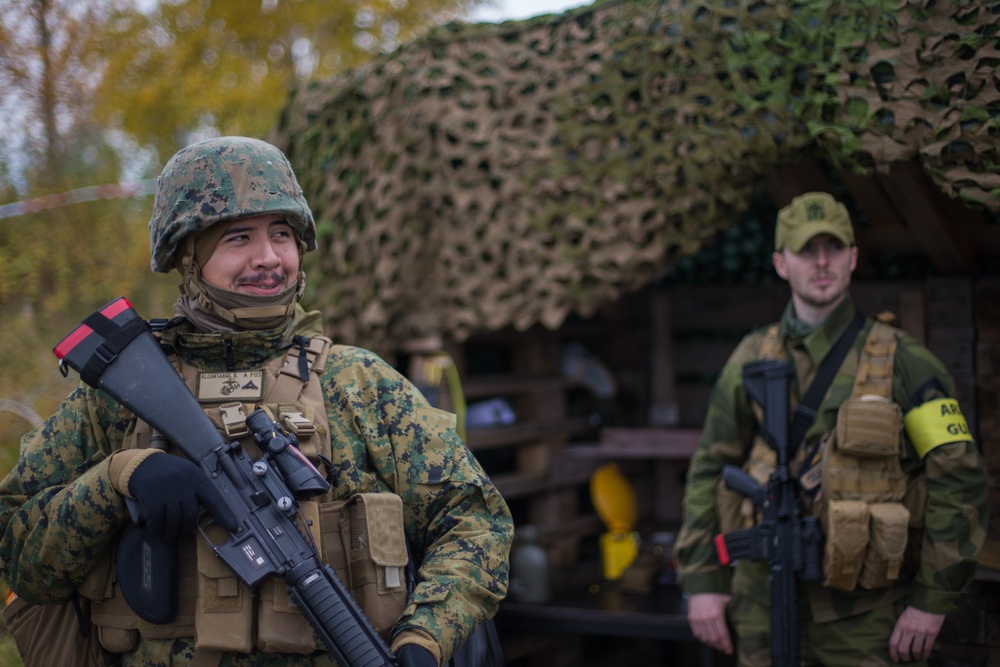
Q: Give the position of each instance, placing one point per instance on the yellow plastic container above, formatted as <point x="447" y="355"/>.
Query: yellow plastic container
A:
<point x="616" y="504"/>
<point x="618" y="550"/>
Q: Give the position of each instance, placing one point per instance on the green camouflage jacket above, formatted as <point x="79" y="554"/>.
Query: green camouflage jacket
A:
<point x="58" y="511"/>
<point x="956" y="513"/>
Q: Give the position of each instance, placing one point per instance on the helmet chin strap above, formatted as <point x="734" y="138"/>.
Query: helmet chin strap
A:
<point x="211" y="307"/>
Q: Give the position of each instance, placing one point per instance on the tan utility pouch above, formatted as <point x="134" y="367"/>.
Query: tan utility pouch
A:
<point x="887" y="545"/>
<point x="116" y="625"/>
<point x="49" y="634"/>
<point x="861" y="458"/>
<point x="869" y="427"/>
<point x="281" y="627"/>
<point x="224" y="615"/>
<point x="846" y="540"/>
<point x="371" y="526"/>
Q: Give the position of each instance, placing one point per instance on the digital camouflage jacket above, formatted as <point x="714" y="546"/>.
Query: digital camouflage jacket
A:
<point x="58" y="511"/>
<point x="956" y="515"/>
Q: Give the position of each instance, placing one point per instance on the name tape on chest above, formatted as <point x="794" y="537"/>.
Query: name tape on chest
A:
<point x="230" y="386"/>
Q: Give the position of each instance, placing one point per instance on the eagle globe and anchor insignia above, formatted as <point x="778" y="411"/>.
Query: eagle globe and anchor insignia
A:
<point x="238" y="385"/>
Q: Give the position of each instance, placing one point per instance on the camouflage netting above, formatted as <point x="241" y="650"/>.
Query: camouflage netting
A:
<point x="493" y="175"/>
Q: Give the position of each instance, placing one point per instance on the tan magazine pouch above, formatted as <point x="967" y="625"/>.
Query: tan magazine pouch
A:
<point x="224" y="614"/>
<point x="372" y="532"/>
<point x="846" y="528"/>
<point x="281" y="627"/>
<point x="363" y="540"/>
<point x="886" y="546"/>
<point x="863" y="486"/>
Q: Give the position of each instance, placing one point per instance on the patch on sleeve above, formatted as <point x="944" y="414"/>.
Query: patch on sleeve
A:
<point x="928" y="391"/>
<point x="936" y="423"/>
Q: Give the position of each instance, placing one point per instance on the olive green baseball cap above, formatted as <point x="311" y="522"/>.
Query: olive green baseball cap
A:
<point x="811" y="214"/>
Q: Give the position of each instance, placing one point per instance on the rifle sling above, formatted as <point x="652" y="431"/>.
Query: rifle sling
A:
<point x="116" y="338"/>
<point x="805" y="411"/>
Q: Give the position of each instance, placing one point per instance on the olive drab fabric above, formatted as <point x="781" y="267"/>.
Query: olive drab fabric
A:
<point x="223" y="179"/>
<point x="944" y="542"/>
<point x="60" y="514"/>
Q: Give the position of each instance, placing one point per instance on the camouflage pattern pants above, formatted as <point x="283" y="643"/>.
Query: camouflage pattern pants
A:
<point x="858" y="641"/>
<point x="179" y="653"/>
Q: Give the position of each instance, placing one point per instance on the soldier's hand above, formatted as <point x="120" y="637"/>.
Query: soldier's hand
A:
<point x="914" y="635"/>
<point x="170" y="490"/>
<point x="707" y="617"/>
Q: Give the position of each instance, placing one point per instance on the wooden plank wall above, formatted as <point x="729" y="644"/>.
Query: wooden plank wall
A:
<point x="987" y="384"/>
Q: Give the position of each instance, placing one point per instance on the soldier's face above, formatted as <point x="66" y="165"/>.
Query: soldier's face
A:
<point x="256" y="256"/>
<point x="820" y="273"/>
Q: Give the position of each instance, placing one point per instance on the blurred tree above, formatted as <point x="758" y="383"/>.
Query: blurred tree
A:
<point x="96" y="91"/>
<point x="101" y="91"/>
<point x="197" y="67"/>
<point x="48" y="75"/>
<point x="150" y="74"/>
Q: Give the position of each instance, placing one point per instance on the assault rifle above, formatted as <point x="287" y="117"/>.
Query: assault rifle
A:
<point x="114" y="351"/>
<point x="790" y="542"/>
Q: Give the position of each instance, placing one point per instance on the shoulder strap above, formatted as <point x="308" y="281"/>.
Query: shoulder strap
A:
<point x="805" y="411"/>
<point x="304" y="355"/>
<point x="875" y="368"/>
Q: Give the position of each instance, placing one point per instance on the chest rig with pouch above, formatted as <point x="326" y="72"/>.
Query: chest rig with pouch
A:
<point x="851" y="479"/>
<point x="362" y="537"/>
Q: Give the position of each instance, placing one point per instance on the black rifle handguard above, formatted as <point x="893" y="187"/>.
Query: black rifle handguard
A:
<point x="789" y="542"/>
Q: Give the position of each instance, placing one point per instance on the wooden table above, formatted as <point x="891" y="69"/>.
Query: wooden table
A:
<point x="604" y="610"/>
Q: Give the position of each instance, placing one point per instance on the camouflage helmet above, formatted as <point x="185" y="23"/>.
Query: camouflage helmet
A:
<point x="219" y="180"/>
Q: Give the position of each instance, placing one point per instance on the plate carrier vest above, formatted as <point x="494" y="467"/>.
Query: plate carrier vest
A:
<point x="218" y="610"/>
<point x="856" y="485"/>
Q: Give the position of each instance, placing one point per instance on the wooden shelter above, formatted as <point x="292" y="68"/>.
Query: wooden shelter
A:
<point x="607" y="177"/>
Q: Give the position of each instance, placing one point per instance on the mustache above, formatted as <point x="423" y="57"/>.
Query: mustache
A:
<point x="264" y="277"/>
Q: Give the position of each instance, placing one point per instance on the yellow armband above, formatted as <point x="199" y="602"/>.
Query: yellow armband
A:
<point x="935" y="423"/>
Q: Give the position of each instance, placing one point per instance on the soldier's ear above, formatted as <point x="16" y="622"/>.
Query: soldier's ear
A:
<point x="778" y="259"/>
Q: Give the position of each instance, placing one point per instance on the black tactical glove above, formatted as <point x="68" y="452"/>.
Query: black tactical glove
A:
<point x="412" y="655"/>
<point x="170" y="490"/>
